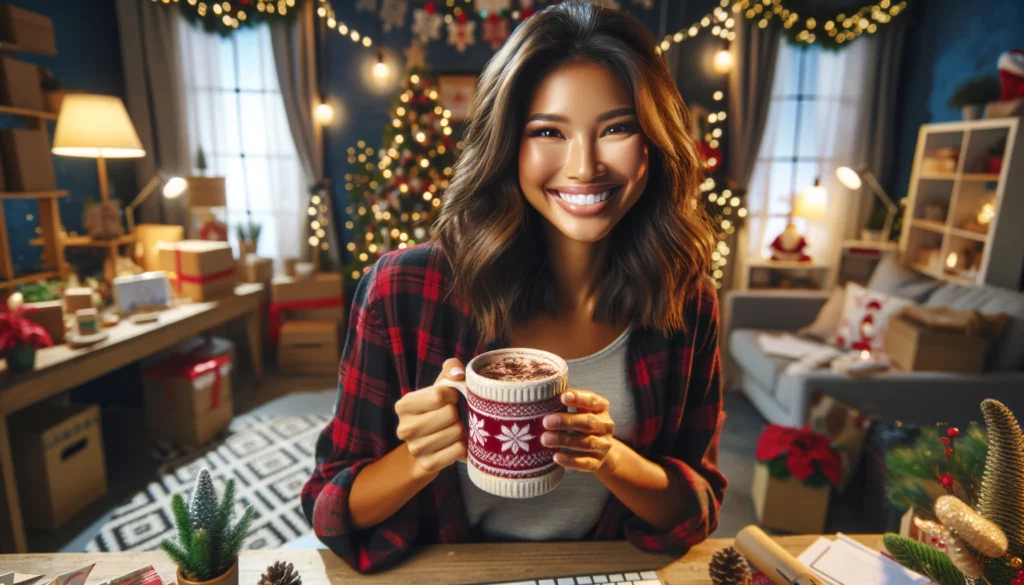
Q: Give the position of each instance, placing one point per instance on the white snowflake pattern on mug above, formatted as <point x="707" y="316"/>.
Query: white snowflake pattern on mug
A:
<point x="515" y="439"/>
<point x="476" y="429"/>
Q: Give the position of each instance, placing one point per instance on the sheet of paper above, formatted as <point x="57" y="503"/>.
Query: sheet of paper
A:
<point x="6" y="578"/>
<point x="76" y="577"/>
<point x="786" y="345"/>
<point x="844" y="561"/>
<point x="23" y="579"/>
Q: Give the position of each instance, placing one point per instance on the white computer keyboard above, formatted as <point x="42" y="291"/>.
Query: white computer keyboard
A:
<point x="632" y="578"/>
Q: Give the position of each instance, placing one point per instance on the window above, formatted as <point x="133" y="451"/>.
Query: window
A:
<point x="236" y="114"/>
<point x="813" y="127"/>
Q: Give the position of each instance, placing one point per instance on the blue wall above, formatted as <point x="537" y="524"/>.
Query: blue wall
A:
<point x="88" y="59"/>
<point x="948" y="42"/>
<point x="362" y="110"/>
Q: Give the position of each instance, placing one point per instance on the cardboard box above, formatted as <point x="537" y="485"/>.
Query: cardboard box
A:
<point x="309" y="347"/>
<point x="787" y="504"/>
<point x="50" y="315"/>
<point x="58" y="456"/>
<point x="915" y="348"/>
<point x="148" y="291"/>
<point x="76" y="299"/>
<point x="30" y="31"/>
<point x="207" y="269"/>
<point x="148" y="237"/>
<point x="322" y="289"/>
<point x="256" y="269"/>
<point x="187" y="397"/>
<point x="28" y="164"/>
<point x="20" y="84"/>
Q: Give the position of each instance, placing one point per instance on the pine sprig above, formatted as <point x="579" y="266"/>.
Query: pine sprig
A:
<point x="200" y="555"/>
<point x="923" y="559"/>
<point x="233" y="543"/>
<point x="914" y="470"/>
<point x="182" y="520"/>
<point x="178" y="555"/>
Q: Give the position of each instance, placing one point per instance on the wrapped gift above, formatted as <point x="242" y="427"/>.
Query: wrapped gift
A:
<point x="319" y="298"/>
<point x="793" y="479"/>
<point x="148" y="291"/>
<point x="58" y="452"/>
<point x="28" y="31"/>
<point x="50" y="316"/>
<point x="201" y="271"/>
<point x="941" y="339"/>
<point x="20" y="85"/>
<point x="187" y="396"/>
<point x="255" y="269"/>
<point x="309" y="347"/>
<point x="148" y="237"/>
<point x="77" y="298"/>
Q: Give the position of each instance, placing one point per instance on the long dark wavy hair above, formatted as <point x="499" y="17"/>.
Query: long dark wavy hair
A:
<point x="660" y="251"/>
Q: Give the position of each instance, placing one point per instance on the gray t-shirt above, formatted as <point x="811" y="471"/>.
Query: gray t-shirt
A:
<point x="572" y="509"/>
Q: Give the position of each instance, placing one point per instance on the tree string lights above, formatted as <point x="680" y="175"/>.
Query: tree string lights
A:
<point x="224" y="17"/>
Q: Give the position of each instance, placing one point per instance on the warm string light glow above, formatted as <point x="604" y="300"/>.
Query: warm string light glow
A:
<point x="730" y="210"/>
<point x="326" y="12"/>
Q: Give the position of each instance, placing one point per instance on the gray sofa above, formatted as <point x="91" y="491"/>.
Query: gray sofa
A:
<point x="920" y="397"/>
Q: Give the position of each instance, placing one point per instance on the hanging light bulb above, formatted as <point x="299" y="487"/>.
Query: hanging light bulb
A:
<point x="723" y="62"/>
<point x="381" y="71"/>
<point x="324" y="113"/>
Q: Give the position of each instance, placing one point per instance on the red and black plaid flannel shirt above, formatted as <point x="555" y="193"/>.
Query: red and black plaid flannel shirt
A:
<point x="402" y="328"/>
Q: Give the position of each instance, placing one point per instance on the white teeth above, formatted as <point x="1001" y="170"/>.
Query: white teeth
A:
<point x="585" y="199"/>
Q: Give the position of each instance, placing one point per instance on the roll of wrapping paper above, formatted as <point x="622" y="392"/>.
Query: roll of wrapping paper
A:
<point x="771" y="559"/>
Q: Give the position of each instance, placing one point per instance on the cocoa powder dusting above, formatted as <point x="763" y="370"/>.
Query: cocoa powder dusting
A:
<point x="518" y="369"/>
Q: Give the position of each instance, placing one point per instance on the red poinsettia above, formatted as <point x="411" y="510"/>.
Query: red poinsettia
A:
<point x="803" y="453"/>
<point x="17" y="331"/>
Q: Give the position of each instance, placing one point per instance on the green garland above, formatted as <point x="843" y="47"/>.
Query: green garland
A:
<point x="226" y="16"/>
<point x="804" y="22"/>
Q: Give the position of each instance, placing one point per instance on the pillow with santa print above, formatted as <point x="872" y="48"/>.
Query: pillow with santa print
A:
<point x="866" y="314"/>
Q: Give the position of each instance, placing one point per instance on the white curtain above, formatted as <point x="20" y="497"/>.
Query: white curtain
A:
<point x="237" y="116"/>
<point x="817" y="121"/>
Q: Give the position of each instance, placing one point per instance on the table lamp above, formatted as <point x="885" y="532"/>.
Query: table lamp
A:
<point x="852" y="180"/>
<point x="173" y="187"/>
<point x="96" y="126"/>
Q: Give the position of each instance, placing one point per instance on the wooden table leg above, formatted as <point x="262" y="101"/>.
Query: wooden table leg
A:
<point x="255" y="335"/>
<point x="14" y="535"/>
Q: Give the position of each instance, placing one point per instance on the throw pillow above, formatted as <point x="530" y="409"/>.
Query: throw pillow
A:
<point x="889" y="278"/>
<point x="826" y="324"/>
<point x="866" y="314"/>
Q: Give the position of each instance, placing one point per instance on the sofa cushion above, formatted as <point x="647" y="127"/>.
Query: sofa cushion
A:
<point x="1007" y="353"/>
<point x="745" y="349"/>
<point x="894" y="280"/>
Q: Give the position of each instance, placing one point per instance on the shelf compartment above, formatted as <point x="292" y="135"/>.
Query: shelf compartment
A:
<point x="27" y="113"/>
<point x="88" y="242"/>
<point x="33" y="194"/>
<point x="28" y="278"/>
<point x="927" y="224"/>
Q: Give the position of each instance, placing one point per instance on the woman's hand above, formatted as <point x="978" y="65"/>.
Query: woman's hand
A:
<point x="428" y="422"/>
<point x="591" y="447"/>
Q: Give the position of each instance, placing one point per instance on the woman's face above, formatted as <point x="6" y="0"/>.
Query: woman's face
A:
<point x="583" y="158"/>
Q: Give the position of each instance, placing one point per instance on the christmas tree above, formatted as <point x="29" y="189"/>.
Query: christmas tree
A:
<point x="395" y="192"/>
<point x="918" y="473"/>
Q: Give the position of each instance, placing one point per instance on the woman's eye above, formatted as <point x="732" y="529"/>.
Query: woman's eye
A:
<point x="624" y="128"/>
<point x="546" y="133"/>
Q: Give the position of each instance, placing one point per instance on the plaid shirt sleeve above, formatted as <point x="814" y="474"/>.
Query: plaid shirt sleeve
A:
<point x="361" y="432"/>
<point x="695" y="416"/>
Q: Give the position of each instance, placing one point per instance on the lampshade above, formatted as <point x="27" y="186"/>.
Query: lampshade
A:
<point x="94" y="126"/>
<point x="811" y="203"/>
<point x="849" y="178"/>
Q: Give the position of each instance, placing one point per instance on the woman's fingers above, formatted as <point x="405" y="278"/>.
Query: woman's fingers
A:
<point x="583" y="422"/>
<point x="435" y="442"/>
<point x="581" y="443"/>
<point x="581" y="462"/>
<point x="443" y="458"/>
<point x="426" y="399"/>
<point x="451" y="369"/>
<point x="585" y="400"/>
<point x="416" y="426"/>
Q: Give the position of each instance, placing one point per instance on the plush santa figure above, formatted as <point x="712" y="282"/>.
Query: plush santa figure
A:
<point x="1011" y="74"/>
<point x="790" y="246"/>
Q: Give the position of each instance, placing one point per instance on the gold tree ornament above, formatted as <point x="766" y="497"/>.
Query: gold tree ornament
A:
<point x="964" y="559"/>
<point x="971" y="527"/>
<point x="1002" y="488"/>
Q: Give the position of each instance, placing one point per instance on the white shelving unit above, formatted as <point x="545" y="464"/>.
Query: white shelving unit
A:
<point x="941" y="236"/>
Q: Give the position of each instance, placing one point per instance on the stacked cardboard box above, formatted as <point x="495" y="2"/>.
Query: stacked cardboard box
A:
<point x="306" y="319"/>
<point x="199" y="270"/>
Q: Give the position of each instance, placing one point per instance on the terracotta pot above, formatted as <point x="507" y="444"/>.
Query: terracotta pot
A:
<point x="246" y="248"/>
<point x="21" y="358"/>
<point x="228" y="578"/>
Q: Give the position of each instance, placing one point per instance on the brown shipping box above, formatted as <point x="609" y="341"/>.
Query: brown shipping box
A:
<point x="208" y="269"/>
<point x="187" y="399"/>
<point x="20" y="84"/>
<point x="49" y="314"/>
<point x="58" y="452"/>
<point x="148" y="237"/>
<point x="787" y="504"/>
<point x="915" y="348"/>
<point x="256" y="269"/>
<point x="309" y="347"/>
<point x="321" y="286"/>
<point x="28" y="164"/>
<point x="28" y="31"/>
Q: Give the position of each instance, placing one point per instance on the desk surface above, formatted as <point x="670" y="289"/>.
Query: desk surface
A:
<point x="441" y="564"/>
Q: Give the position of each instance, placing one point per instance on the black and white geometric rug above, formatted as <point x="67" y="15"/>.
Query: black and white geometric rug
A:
<point x="270" y="457"/>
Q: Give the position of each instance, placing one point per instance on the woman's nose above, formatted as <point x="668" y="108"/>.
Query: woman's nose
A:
<point x="582" y="164"/>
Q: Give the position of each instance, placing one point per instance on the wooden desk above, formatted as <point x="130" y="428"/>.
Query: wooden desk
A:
<point x="441" y="564"/>
<point x="63" y="367"/>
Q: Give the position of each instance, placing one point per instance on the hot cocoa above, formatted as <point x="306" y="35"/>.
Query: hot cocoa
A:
<point x="515" y="368"/>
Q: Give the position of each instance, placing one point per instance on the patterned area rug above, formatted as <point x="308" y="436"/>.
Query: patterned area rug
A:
<point x="270" y="457"/>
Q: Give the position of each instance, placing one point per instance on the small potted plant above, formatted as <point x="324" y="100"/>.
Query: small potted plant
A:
<point x="20" y="338"/>
<point x="876" y="225"/>
<point x="53" y="90"/>
<point x="972" y="95"/>
<point x="208" y="540"/>
<point x="248" y="237"/>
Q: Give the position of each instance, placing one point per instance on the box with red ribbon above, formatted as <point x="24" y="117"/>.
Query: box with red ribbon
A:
<point x="793" y="479"/>
<point x="187" y="396"/>
<point x="199" y="270"/>
<point x="320" y="298"/>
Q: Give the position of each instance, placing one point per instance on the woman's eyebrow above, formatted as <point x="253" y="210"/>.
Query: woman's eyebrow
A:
<point x="559" y="118"/>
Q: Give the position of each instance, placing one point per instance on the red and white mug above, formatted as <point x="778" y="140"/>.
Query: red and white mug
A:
<point x="505" y="422"/>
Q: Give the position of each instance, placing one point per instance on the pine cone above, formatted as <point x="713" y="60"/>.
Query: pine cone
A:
<point x="280" y="574"/>
<point x="728" y="567"/>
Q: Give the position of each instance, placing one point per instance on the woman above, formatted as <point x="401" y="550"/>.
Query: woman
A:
<point x="571" y="225"/>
